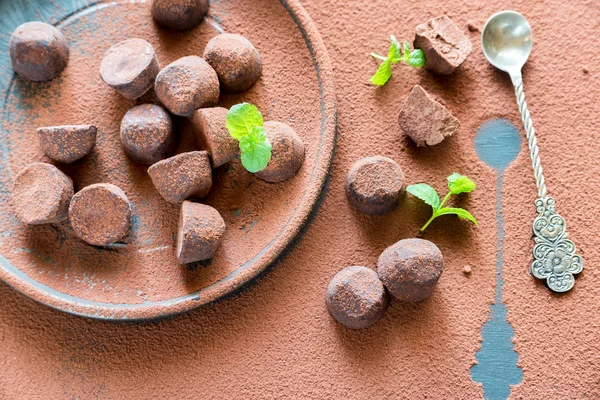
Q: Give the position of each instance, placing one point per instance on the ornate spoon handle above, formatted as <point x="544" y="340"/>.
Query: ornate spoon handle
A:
<point x="554" y="254"/>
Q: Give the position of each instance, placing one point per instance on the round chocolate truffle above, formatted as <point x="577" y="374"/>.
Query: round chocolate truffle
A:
<point x="199" y="234"/>
<point x="41" y="194"/>
<point x="147" y="134"/>
<point x="38" y="51"/>
<point x="374" y="185"/>
<point x="235" y="60"/>
<point x="410" y="269"/>
<point x="356" y="297"/>
<point x="67" y="143"/>
<point x="179" y="15"/>
<point x="287" y="154"/>
<point x="186" y="85"/>
<point x="130" y="67"/>
<point x="100" y="214"/>
<point x="210" y="129"/>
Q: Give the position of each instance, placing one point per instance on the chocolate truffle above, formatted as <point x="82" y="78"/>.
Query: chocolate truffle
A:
<point x="179" y="15"/>
<point x="374" y="185"/>
<point x="424" y="120"/>
<point x="410" y="269"/>
<point x="199" y="233"/>
<point x="147" y="134"/>
<point x="287" y="155"/>
<point x="100" y="214"/>
<point x="41" y="194"/>
<point x="356" y="297"/>
<point x="186" y="85"/>
<point x="186" y="175"/>
<point x="444" y="44"/>
<point x="130" y="67"/>
<point x="67" y="143"/>
<point x="210" y="129"/>
<point x="235" y="60"/>
<point x="38" y="51"/>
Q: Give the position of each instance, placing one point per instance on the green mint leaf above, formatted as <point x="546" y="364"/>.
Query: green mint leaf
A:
<point x="395" y="50"/>
<point x="256" y="150"/>
<point x="461" y="212"/>
<point x="416" y="58"/>
<point x="383" y="74"/>
<point x="242" y="118"/>
<point x="458" y="184"/>
<point x="406" y="51"/>
<point x="426" y="193"/>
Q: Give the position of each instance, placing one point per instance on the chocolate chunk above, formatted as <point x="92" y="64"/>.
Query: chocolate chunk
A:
<point x="374" y="185"/>
<point x="179" y="15"/>
<point x="210" y="129"/>
<point x="186" y="85"/>
<point x="424" y="120"/>
<point x="184" y="176"/>
<point x="287" y="155"/>
<point x="130" y="67"/>
<point x="147" y="134"/>
<point x="356" y="297"/>
<point x="410" y="269"/>
<point x="100" y="214"/>
<point x="67" y="143"/>
<point x="41" y="194"/>
<point x="444" y="44"/>
<point x="200" y="230"/>
<point x="38" y="51"/>
<point x="235" y="60"/>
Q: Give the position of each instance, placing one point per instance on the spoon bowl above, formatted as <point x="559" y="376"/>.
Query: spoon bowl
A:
<point x="506" y="40"/>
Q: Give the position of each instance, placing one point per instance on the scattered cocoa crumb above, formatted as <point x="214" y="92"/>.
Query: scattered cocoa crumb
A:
<point x="467" y="269"/>
<point x="472" y="27"/>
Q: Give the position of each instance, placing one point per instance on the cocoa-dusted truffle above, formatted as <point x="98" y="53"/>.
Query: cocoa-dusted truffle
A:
<point x="41" y="194"/>
<point x="147" y="134"/>
<point x="38" y="51"/>
<point x="235" y="60"/>
<point x="444" y="44"/>
<point x="199" y="233"/>
<point x="186" y="175"/>
<point x="67" y="143"/>
<point x="287" y="155"/>
<point x="130" y="67"/>
<point x="410" y="269"/>
<point x="100" y="214"/>
<point x="210" y="129"/>
<point x="356" y="297"/>
<point x="179" y="15"/>
<point x="424" y="120"/>
<point x="374" y="185"/>
<point x="186" y="85"/>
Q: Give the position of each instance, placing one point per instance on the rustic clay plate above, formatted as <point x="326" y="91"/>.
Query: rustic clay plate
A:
<point x="140" y="277"/>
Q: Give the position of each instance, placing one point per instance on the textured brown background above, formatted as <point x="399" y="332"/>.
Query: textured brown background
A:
<point x="276" y="339"/>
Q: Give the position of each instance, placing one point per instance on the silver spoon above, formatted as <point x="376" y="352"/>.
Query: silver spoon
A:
<point x="506" y="41"/>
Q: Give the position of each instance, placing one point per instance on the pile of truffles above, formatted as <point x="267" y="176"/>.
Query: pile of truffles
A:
<point x="101" y="214"/>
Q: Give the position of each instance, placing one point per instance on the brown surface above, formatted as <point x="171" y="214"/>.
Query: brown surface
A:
<point x="67" y="143"/>
<point x="287" y="154"/>
<point x="277" y="340"/>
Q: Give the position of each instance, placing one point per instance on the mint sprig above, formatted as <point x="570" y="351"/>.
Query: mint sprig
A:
<point x="397" y="53"/>
<point x="245" y="124"/>
<point x="457" y="184"/>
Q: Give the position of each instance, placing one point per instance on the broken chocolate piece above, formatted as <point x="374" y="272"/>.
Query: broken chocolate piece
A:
<point x="424" y="120"/>
<point x="374" y="185"/>
<point x="200" y="230"/>
<point x="179" y="15"/>
<point x="41" y="194"/>
<point x="410" y="269"/>
<point x="147" y="134"/>
<point x="186" y="85"/>
<point x="287" y="154"/>
<point x="184" y="176"/>
<point x="67" y="143"/>
<point x="356" y="297"/>
<point x="130" y="67"/>
<point x="100" y="214"/>
<point x="444" y="44"/>
<point x="38" y="51"/>
<point x="210" y="129"/>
